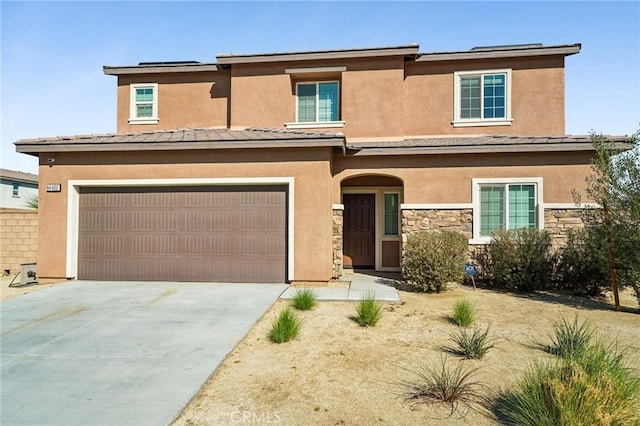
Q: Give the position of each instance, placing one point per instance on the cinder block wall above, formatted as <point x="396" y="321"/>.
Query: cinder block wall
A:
<point x="18" y="238"/>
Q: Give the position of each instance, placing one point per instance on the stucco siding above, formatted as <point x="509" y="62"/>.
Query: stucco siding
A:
<point x="309" y="169"/>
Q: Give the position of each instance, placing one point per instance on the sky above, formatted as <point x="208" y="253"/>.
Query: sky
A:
<point x="52" y="53"/>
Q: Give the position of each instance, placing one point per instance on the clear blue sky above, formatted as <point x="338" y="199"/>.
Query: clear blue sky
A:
<point x="53" y="52"/>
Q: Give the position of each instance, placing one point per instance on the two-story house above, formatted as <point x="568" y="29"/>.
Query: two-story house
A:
<point x="17" y="189"/>
<point x="296" y="166"/>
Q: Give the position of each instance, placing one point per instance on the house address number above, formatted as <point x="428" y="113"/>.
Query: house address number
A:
<point x="54" y="187"/>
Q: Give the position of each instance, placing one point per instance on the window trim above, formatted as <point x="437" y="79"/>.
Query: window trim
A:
<point x="476" y="183"/>
<point x="470" y="122"/>
<point x="316" y="124"/>
<point x="132" y="104"/>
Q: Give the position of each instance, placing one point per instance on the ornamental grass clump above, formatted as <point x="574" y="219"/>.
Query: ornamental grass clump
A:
<point x="443" y="385"/>
<point x="570" y="339"/>
<point x="589" y="384"/>
<point x="285" y="327"/>
<point x="368" y="310"/>
<point x="463" y="313"/>
<point x="471" y="345"/>
<point x="304" y="299"/>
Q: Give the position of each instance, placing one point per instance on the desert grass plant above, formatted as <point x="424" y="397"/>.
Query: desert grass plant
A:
<point x="463" y="313"/>
<point x="368" y="310"/>
<point x="570" y="339"/>
<point x="304" y="299"/>
<point x="454" y="387"/>
<point x="285" y="327"/>
<point x="595" y="388"/>
<point x="589" y="384"/>
<point x="471" y="344"/>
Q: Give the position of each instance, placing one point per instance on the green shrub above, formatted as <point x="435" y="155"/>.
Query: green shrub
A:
<point x="464" y="313"/>
<point x="521" y="259"/>
<point x="368" y="310"/>
<point x="595" y="388"/>
<point x="304" y="299"/>
<point x="584" y="266"/>
<point x="285" y="327"/>
<point x="571" y="339"/>
<point x="471" y="345"/>
<point x="444" y="385"/>
<point x="432" y="259"/>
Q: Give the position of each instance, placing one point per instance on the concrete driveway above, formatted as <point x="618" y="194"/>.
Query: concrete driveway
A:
<point x="115" y="353"/>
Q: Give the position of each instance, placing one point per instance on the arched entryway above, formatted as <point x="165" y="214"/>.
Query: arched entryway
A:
<point x="371" y="232"/>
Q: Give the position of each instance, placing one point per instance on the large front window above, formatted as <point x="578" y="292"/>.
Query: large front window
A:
<point x="508" y="206"/>
<point x="482" y="98"/>
<point x="317" y="102"/>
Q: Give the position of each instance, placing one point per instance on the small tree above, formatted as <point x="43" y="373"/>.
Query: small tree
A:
<point x="615" y="185"/>
<point x="32" y="202"/>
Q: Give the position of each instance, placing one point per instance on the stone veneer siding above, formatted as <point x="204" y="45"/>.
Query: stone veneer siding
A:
<point x="422" y="220"/>
<point x="337" y="243"/>
<point x="558" y="222"/>
<point x="18" y="238"/>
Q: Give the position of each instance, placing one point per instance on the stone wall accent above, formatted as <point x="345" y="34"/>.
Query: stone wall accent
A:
<point x="337" y="243"/>
<point x="435" y="220"/>
<point x="558" y="222"/>
<point x="18" y="238"/>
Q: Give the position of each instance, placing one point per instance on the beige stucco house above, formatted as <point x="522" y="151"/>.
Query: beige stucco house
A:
<point x="295" y="166"/>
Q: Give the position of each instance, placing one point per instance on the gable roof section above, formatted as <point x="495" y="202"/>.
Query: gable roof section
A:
<point x="508" y="51"/>
<point x="13" y="175"/>
<point x="181" y="139"/>
<point x="410" y="50"/>
<point x="480" y="144"/>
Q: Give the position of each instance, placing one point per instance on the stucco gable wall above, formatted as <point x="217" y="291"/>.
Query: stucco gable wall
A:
<point x="537" y="96"/>
<point x="184" y="100"/>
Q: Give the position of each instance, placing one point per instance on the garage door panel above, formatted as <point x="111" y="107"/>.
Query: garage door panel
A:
<point x="183" y="234"/>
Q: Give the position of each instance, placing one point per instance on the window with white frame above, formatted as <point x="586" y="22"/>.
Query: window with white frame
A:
<point x="317" y="102"/>
<point x="506" y="205"/>
<point x="482" y="98"/>
<point x="144" y="103"/>
<point x="16" y="190"/>
<point x="391" y="208"/>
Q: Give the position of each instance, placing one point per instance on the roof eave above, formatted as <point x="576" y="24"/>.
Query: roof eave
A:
<point x="410" y="50"/>
<point x="35" y="149"/>
<point x="158" y="69"/>
<point x="480" y="149"/>
<point x="565" y="50"/>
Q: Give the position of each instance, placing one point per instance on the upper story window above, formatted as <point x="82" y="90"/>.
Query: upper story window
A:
<point x="482" y="98"/>
<point x="506" y="204"/>
<point x="317" y="105"/>
<point x="16" y="190"/>
<point x="144" y="104"/>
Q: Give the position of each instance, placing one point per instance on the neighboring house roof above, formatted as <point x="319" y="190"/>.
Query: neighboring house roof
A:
<point x="224" y="138"/>
<point x="17" y="176"/>
<point x="200" y="138"/>
<point x="410" y="51"/>
<point x="481" y="144"/>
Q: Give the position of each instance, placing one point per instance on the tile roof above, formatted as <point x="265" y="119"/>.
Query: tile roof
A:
<point x="477" y="144"/>
<point x="20" y="176"/>
<point x="197" y="138"/>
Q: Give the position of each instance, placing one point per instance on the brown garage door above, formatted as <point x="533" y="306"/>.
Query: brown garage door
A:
<point x="225" y="234"/>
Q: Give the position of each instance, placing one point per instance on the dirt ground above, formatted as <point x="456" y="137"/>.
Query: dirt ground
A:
<point x="338" y="373"/>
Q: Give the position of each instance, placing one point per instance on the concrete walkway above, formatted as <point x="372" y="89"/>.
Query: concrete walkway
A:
<point x="119" y="353"/>
<point x="352" y="287"/>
